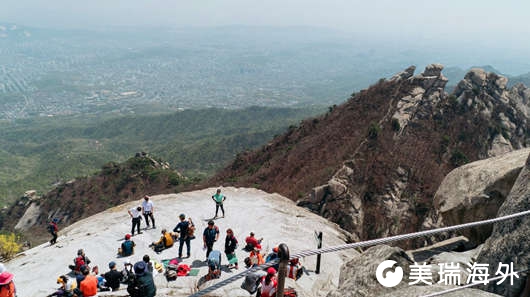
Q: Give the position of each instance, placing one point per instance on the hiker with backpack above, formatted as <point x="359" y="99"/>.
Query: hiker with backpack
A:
<point x="66" y="288"/>
<point x="184" y="228"/>
<point x="143" y="284"/>
<point x="230" y="248"/>
<point x="209" y="237"/>
<point x="127" y="247"/>
<point x="79" y="261"/>
<point x="147" y="211"/>
<point x="136" y="216"/>
<point x="219" y="198"/>
<point x="53" y="229"/>
<point x="165" y="242"/>
<point x="7" y="286"/>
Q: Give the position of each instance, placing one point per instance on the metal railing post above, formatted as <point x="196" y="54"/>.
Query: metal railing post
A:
<point x="283" y="253"/>
<point x="319" y="237"/>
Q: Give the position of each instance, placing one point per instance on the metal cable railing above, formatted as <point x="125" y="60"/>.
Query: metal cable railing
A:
<point x="359" y="244"/>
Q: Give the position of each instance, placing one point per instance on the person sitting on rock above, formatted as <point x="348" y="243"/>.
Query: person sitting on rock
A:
<point x="273" y="256"/>
<point x="252" y="243"/>
<point x="143" y="284"/>
<point x="255" y="258"/>
<point x="113" y="277"/>
<point x="127" y="247"/>
<point x="89" y="285"/>
<point x="66" y="288"/>
<point x="79" y="261"/>
<point x="148" y="263"/>
<point x="165" y="242"/>
<point x="294" y="269"/>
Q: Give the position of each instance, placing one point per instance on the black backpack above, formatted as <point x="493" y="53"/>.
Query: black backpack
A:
<point x="135" y="289"/>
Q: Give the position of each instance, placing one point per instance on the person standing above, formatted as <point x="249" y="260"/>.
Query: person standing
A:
<point x="182" y="228"/>
<point x="209" y="237"/>
<point x="219" y="198"/>
<point x="230" y="248"/>
<point x="52" y="228"/>
<point x="147" y="211"/>
<point x="135" y="214"/>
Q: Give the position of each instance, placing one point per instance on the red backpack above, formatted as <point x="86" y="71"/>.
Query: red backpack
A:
<point x="79" y="261"/>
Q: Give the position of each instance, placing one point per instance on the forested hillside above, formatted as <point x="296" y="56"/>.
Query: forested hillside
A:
<point x="37" y="153"/>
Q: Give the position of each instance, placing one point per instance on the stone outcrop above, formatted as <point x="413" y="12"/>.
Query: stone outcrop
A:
<point x="487" y="94"/>
<point x="428" y="90"/>
<point x="475" y="191"/>
<point x="510" y="240"/>
<point x="357" y="276"/>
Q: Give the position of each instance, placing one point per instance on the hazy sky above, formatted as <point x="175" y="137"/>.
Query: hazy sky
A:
<point x="507" y="19"/>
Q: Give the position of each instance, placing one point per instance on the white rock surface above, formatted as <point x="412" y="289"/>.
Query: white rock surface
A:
<point x="270" y="216"/>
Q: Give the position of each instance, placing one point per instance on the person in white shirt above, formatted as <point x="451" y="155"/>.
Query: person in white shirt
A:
<point x="147" y="211"/>
<point x="136" y="215"/>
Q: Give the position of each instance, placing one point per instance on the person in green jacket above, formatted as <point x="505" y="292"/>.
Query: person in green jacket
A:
<point x="219" y="198"/>
<point x="143" y="284"/>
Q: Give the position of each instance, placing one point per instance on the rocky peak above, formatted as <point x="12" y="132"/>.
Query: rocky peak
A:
<point x="426" y="89"/>
<point x="405" y="74"/>
<point x="479" y="83"/>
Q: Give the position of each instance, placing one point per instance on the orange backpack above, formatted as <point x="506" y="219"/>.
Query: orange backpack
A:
<point x="7" y="290"/>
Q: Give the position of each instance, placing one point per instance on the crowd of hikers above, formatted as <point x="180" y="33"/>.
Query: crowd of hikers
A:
<point x="86" y="281"/>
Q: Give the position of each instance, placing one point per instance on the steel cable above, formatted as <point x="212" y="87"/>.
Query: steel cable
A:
<point x="359" y="244"/>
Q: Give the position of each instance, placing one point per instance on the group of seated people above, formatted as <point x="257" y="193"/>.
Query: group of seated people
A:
<point x="90" y="283"/>
<point x="87" y="282"/>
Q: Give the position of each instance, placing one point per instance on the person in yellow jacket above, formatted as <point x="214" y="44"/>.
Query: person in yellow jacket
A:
<point x="165" y="242"/>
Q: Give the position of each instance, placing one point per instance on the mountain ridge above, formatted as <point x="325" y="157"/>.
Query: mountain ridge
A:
<point x="381" y="155"/>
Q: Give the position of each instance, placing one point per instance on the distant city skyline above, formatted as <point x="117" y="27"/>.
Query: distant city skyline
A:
<point x="450" y="19"/>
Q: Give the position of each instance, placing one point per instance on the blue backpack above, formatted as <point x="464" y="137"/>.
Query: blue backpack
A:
<point x="127" y="247"/>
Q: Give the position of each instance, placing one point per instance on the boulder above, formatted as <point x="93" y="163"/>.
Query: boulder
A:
<point x="357" y="276"/>
<point x="510" y="240"/>
<point x="475" y="191"/>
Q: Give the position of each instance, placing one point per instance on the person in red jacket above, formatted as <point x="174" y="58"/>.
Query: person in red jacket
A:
<point x="252" y="242"/>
